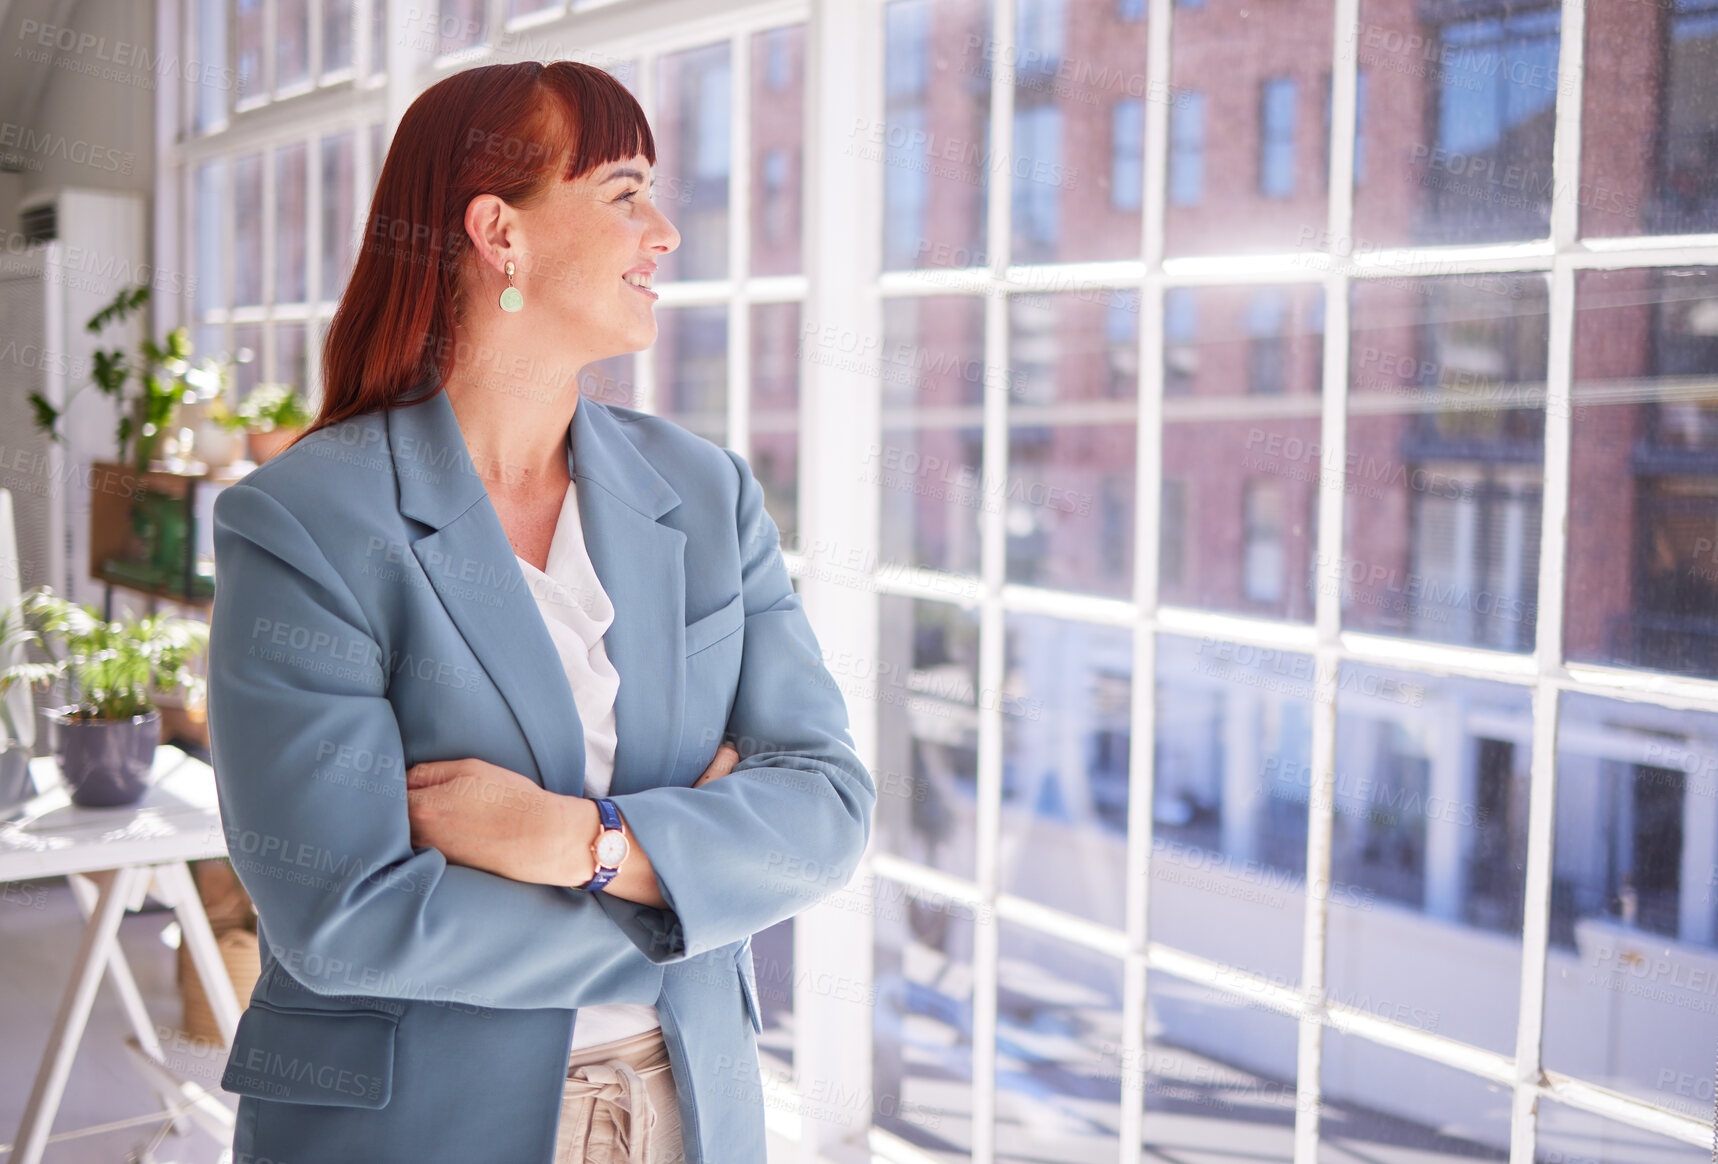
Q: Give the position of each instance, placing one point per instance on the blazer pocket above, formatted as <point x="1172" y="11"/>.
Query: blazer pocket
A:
<point x="325" y="1058"/>
<point x="749" y="984"/>
<point x="717" y="625"/>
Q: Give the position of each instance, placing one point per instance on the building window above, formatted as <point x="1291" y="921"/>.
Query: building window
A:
<point x="1180" y="336"/>
<point x="1277" y="137"/>
<point x="1127" y="153"/>
<point x="1267" y="343"/>
<point x="1187" y="149"/>
<point x="1262" y="552"/>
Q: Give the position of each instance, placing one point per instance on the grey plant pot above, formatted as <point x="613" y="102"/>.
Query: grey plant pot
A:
<point x="15" y="783"/>
<point x="106" y="763"/>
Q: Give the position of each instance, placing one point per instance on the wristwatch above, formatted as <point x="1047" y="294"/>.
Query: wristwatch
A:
<point x="610" y="847"/>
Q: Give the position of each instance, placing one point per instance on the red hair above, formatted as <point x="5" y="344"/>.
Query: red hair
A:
<point x="506" y="130"/>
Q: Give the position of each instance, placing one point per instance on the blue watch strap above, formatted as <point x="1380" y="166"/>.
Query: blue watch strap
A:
<point x="610" y="818"/>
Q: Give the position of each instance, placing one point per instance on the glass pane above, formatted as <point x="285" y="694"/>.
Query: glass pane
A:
<point x="691" y="129"/>
<point x="247" y="356"/>
<point x="248" y="52"/>
<point x="772" y="966"/>
<point x="1384" y="1106"/>
<point x="289" y="366"/>
<point x="1058" y="1022"/>
<point x="1218" y="1075"/>
<point x="934" y="143"/>
<point x="379" y="36"/>
<point x="932" y="367"/>
<point x="247" y="230"/>
<point x="774" y="454"/>
<point x="1079" y="86"/>
<point x="1233" y="751"/>
<point x="1073" y="392"/>
<point x="1578" y="1137"/>
<point x="778" y="131"/>
<point x="1464" y="95"/>
<point x="611" y="381"/>
<point x="1241" y="541"/>
<point x="378" y="154"/>
<point x="925" y="686"/>
<point x="526" y="7"/>
<point x="462" y="24"/>
<point x="922" y="1027"/>
<point x="291" y="43"/>
<point x="1649" y="158"/>
<point x="1633" y="973"/>
<point x="1247" y="153"/>
<point x="1065" y="737"/>
<point x="1429" y="851"/>
<point x="291" y="184"/>
<point x="1446" y="439"/>
<point x="339" y="187"/>
<point x="1643" y="487"/>
<point x="208" y="210"/>
<point x="337" y="18"/>
<point x="692" y="369"/>
<point x="213" y="79"/>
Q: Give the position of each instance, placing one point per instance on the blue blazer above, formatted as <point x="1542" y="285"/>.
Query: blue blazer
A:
<point x="368" y="615"/>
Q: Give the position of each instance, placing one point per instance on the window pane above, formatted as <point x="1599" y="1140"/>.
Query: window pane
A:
<point x="462" y="24"/>
<point x="1463" y="96"/>
<point x="1075" y="65"/>
<point x="291" y="180"/>
<point x="772" y="966"/>
<point x="1429" y="852"/>
<point x="247" y="355"/>
<point x="610" y="381"/>
<point x="1649" y="155"/>
<point x="336" y="35"/>
<point x="338" y="211"/>
<point x="289" y="366"/>
<point x="1632" y="982"/>
<point x="1234" y="747"/>
<point x="291" y="43"/>
<point x="1386" y="1106"/>
<point x="1065" y="738"/>
<point x="1241" y="476"/>
<point x="1241" y="145"/>
<point x="926" y="690"/>
<point x="212" y="77"/>
<point x="1446" y="437"/>
<point x="249" y="50"/>
<point x="1218" y="1074"/>
<point x="692" y="369"/>
<point x="247" y="230"/>
<point x="778" y="112"/>
<point x="774" y="456"/>
<point x="1058" y="1021"/>
<point x="927" y="466"/>
<point x="526" y="7"/>
<point x="1643" y="490"/>
<point x="210" y="294"/>
<point x="934" y="143"/>
<point x="691" y="130"/>
<point x="379" y="36"/>
<point x="1579" y="1137"/>
<point x="1069" y="497"/>
<point x="922" y="1029"/>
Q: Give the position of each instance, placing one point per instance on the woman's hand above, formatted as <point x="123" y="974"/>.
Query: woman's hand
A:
<point x="484" y="816"/>
<point x="726" y="757"/>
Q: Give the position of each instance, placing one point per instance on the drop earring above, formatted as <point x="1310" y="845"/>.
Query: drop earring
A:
<point x="511" y="299"/>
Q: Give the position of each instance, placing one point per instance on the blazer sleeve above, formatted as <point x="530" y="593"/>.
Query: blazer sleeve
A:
<point x="789" y="824"/>
<point x="310" y="770"/>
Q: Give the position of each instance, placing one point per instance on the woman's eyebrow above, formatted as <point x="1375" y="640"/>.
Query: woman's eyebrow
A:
<point x="617" y="175"/>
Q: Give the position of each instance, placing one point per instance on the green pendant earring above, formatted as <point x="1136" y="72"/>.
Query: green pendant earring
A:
<point x="511" y="299"/>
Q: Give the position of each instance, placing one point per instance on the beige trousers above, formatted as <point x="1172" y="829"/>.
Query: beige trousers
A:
<point x="618" y="1105"/>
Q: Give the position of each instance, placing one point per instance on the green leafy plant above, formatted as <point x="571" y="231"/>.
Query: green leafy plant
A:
<point x="272" y="406"/>
<point x="110" y="667"/>
<point x="164" y="373"/>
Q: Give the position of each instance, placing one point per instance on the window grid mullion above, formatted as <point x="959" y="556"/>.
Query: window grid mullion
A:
<point x="739" y="242"/>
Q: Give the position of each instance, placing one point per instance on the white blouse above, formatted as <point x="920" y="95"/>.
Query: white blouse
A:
<point x="578" y="612"/>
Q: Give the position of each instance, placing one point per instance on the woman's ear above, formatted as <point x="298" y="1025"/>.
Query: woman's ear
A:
<point x="490" y="224"/>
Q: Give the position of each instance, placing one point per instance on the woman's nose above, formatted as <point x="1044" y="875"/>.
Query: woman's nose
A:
<point x="664" y="236"/>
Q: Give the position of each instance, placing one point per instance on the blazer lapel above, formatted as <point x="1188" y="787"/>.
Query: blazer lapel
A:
<point x="639" y="561"/>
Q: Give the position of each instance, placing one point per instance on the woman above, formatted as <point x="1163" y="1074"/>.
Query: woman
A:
<point x="475" y="643"/>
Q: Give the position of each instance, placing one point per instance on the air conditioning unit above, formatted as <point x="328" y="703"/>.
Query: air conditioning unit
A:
<point x="80" y="248"/>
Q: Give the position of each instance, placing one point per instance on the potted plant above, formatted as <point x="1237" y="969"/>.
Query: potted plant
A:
<point x="17" y="729"/>
<point x="108" y="733"/>
<point x="164" y="373"/>
<point x="274" y="415"/>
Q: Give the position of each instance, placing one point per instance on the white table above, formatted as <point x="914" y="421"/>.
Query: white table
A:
<point x="114" y="858"/>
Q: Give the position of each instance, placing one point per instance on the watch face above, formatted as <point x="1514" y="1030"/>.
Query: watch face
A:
<point x="611" y="848"/>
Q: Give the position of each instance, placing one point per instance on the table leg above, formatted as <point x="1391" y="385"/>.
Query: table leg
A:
<point x="101" y="934"/>
<point x="180" y="888"/>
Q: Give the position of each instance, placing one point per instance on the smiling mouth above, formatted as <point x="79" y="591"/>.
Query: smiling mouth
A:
<point x="642" y="288"/>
